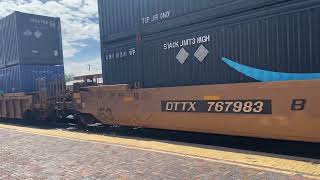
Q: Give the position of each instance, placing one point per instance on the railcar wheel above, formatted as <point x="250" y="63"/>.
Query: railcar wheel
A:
<point x="84" y="119"/>
<point x="32" y="115"/>
<point x="80" y="121"/>
<point x="28" y="115"/>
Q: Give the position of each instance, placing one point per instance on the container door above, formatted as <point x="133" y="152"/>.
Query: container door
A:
<point x="39" y="39"/>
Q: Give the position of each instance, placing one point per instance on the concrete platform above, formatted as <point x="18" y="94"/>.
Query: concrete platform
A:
<point x="28" y="153"/>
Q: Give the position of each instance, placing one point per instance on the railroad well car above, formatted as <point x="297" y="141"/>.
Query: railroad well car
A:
<point x="31" y="66"/>
<point x="247" y="73"/>
<point x="278" y="110"/>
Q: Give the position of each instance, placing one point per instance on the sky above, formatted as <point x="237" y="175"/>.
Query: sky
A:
<point x="80" y="29"/>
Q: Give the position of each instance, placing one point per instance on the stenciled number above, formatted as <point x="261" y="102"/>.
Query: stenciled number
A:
<point x="229" y="104"/>
<point x="219" y="107"/>
<point x="237" y="106"/>
<point x="258" y="107"/>
<point x="211" y="104"/>
<point x="247" y="107"/>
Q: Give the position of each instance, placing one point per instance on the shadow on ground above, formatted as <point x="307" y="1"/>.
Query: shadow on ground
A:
<point x="276" y="147"/>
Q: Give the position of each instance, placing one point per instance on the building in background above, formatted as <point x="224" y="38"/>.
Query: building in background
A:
<point x="95" y="78"/>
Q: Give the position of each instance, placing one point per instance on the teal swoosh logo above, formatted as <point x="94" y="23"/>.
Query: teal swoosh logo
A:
<point x="268" y="76"/>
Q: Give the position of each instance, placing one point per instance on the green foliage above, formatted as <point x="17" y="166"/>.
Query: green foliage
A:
<point x="68" y="77"/>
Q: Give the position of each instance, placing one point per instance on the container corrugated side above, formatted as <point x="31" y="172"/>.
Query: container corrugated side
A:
<point x="30" y="40"/>
<point x="9" y="50"/>
<point x="126" y="18"/>
<point x="271" y="44"/>
<point x="2" y="61"/>
<point x="22" y="78"/>
<point x="121" y="63"/>
<point x="276" y="43"/>
<point x="41" y="46"/>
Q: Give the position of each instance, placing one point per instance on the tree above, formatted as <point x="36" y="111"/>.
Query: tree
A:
<point x="68" y="77"/>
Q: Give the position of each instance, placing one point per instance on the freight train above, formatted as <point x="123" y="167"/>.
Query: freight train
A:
<point x="243" y="68"/>
<point x="31" y="66"/>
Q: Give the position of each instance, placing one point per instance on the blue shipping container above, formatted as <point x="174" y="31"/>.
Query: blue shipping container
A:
<point x="22" y="78"/>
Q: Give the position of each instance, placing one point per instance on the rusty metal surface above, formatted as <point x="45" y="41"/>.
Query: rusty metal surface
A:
<point x="14" y="105"/>
<point x="48" y="93"/>
<point x="284" y="120"/>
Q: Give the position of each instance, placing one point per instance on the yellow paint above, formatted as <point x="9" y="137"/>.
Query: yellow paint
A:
<point x="211" y="98"/>
<point x="128" y="99"/>
<point x="217" y="154"/>
<point x="76" y="96"/>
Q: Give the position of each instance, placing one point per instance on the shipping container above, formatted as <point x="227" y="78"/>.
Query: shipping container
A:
<point x="29" y="39"/>
<point x="275" y="43"/>
<point x="127" y="18"/>
<point x="9" y="50"/>
<point x="23" y="78"/>
<point x="121" y="63"/>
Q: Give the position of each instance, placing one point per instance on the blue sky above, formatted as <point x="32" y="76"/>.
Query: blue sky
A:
<point x="80" y="29"/>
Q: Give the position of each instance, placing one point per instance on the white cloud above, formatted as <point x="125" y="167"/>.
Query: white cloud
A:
<point x="72" y="3"/>
<point x="76" y="18"/>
